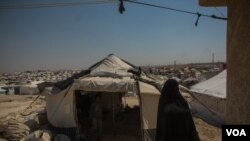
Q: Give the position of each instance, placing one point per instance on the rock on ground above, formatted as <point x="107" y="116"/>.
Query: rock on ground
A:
<point x="39" y="135"/>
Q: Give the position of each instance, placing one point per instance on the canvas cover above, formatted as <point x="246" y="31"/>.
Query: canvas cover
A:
<point x="149" y="105"/>
<point x="60" y="107"/>
<point x="149" y="98"/>
<point x="210" y="99"/>
<point x="31" y="88"/>
<point x="215" y="86"/>
<point x="111" y="66"/>
<point x="109" y="75"/>
<point x="61" y="104"/>
<point x="105" y="84"/>
<point x="2" y="91"/>
<point x="209" y="108"/>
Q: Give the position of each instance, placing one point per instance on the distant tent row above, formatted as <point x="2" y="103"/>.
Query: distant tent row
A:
<point x="27" y="89"/>
<point x="210" y="99"/>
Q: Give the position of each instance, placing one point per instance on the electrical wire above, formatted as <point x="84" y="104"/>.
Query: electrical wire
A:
<point x="121" y="7"/>
<point x="178" y="10"/>
<point x="48" y="5"/>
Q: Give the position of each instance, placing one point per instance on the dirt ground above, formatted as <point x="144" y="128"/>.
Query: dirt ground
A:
<point x="13" y="104"/>
<point x="206" y="131"/>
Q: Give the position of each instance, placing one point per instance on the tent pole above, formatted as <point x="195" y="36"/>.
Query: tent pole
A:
<point x="113" y="104"/>
<point x="78" y="134"/>
<point x="125" y="100"/>
<point x="140" y="105"/>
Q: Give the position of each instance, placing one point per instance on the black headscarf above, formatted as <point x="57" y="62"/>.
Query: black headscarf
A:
<point x="174" y="120"/>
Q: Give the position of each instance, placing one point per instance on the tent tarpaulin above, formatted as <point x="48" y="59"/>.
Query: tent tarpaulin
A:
<point x="149" y="105"/>
<point x="105" y="84"/>
<point x="210" y="99"/>
<point x="111" y="65"/>
<point x="61" y="108"/>
<point x="31" y="88"/>
<point x="215" y="86"/>
<point x="2" y="91"/>
<point x="110" y="75"/>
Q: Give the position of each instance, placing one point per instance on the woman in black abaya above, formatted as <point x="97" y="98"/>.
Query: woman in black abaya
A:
<point x="174" y="120"/>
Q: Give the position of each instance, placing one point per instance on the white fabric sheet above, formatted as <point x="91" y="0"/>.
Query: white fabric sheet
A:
<point x="215" y="86"/>
<point x="111" y="65"/>
<point x="105" y="84"/>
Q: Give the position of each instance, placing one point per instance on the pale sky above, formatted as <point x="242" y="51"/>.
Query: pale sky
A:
<point x="78" y="36"/>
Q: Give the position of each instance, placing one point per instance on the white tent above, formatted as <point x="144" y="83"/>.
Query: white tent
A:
<point x="210" y="99"/>
<point x="110" y="75"/>
<point x="31" y="88"/>
<point x="215" y="86"/>
<point x="2" y="91"/>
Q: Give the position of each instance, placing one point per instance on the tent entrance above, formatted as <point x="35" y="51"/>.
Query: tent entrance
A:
<point x="120" y="116"/>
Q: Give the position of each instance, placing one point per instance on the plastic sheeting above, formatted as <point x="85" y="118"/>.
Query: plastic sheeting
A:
<point x="109" y="75"/>
<point x="148" y="89"/>
<point x="209" y="108"/>
<point x="2" y="91"/>
<point x="210" y="99"/>
<point x="105" y="84"/>
<point x="149" y="100"/>
<point x="60" y="105"/>
<point x="31" y="88"/>
<point x="61" y="108"/>
<point x="111" y="65"/>
<point x="215" y="86"/>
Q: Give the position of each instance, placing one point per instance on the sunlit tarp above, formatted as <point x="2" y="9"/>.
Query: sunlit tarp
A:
<point x="215" y="86"/>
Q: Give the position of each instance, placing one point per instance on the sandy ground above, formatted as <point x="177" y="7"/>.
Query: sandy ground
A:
<point x="206" y="131"/>
<point x="14" y="104"/>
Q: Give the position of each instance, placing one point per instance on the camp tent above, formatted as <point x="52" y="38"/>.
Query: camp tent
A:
<point x="2" y="91"/>
<point x="31" y="88"/>
<point x="210" y="99"/>
<point x="111" y="75"/>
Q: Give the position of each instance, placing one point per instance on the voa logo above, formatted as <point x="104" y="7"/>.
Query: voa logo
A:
<point x="236" y="132"/>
